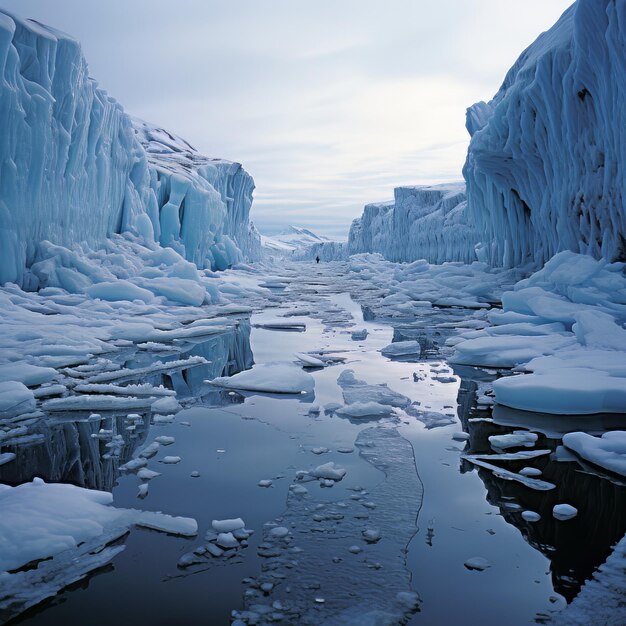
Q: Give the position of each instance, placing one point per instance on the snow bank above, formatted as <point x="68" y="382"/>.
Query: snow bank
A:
<point x="564" y="325"/>
<point x="545" y="166"/>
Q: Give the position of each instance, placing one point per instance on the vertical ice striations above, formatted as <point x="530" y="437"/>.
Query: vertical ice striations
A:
<point x="423" y="222"/>
<point x="545" y="167"/>
<point x="75" y="169"/>
<point x="70" y="167"/>
<point x="204" y="203"/>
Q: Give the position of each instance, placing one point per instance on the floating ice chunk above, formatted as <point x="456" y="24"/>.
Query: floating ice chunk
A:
<point x="146" y="474"/>
<point x="608" y="451"/>
<point x="402" y="348"/>
<point x="355" y="390"/>
<point x="477" y="563"/>
<point x="359" y="335"/>
<point x="227" y="525"/>
<point x="266" y="482"/>
<point x="309" y="361"/>
<point x="365" y="410"/>
<point x="15" y="399"/>
<point x="515" y="439"/>
<point x="372" y="535"/>
<point x="314" y="410"/>
<point x="166" y="405"/>
<point x="510" y="456"/>
<point x="134" y="464"/>
<point x="195" y="474"/>
<point x="319" y="450"/>
<point x="279" y="532"/>
<point x="163" y="419"/>
<point x="329" y="471"/>
<point x="499" y="472"/>
<point x="564" y="511"/>
<point x="531" y="516"/>
<point x="150" y="450"/>
<point x="6" y="457"/>
<point x="40" y="520"/>
<point x="460" y="436"/>
<point x="142" y="490"/>
<point x="170" y="460"/>
<point x="226" y="540"/>
<point x="165" y="440"/>
<point x="530" y="471"/>
<point x="570" y="391"/>
<point x="269" y="378"/>
<point x="281" y="324"/>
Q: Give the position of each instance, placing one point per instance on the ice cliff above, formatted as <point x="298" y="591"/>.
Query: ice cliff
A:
<point x="545" y="166"/>
<point x="75" y="169"/>
<point x="423" y="222"/>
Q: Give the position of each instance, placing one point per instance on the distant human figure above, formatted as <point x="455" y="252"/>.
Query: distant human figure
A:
<point x="317" y="258"/>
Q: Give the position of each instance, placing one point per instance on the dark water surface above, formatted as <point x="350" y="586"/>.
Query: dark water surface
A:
<point x="234" y="440"/>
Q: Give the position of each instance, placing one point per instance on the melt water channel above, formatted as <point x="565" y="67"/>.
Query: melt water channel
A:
<point x="235" y="439"/>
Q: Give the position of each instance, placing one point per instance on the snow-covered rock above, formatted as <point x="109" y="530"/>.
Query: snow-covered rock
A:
<point x="545" y="166"/>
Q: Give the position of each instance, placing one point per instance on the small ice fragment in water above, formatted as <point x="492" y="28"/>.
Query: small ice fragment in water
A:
<point x="171" y="460"/>
<point x="164" y="440"/>
<point x="564" y="511"/>
<point x="359" y="335"/>
<point x="265" y="483"/>
<point x="319" y="450"/>
<point x="477" y="563"/>
<point x="372" y="535"/>
<point x="460" y="436"/>
<point x="227" y="540"/>
<point x="530" y="471"/>
<point x="354" y="549"/>
<point x="227" y="525"/>
<point x="142" y="491"/>
<point x="515" y="439"/>
<point x="345" y="450"/>
<point x="146" y="474"/>
<point x="195" y="474"/>
<point x="329" y="471"/>
<point x="531" y="516"/>
<point x="279" y="532"/>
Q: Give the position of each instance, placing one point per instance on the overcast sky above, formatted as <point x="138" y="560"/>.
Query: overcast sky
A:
<point x="329" y="104"/>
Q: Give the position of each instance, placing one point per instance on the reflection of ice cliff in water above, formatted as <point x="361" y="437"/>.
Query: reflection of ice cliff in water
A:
<point x="575" y="547"/>
<point x="68" y="450"/>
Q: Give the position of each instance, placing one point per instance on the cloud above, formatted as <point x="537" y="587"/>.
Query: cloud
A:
<point x="328" y="104"/>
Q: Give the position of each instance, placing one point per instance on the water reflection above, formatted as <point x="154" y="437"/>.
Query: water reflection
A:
<point x="71" y="450"/>
<point x="575" y="547"/>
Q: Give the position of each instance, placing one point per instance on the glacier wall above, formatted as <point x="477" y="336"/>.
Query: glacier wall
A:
<point x="75" y="169"/>
<point x="546" y="166"/>
<point x="423" y="222"/>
